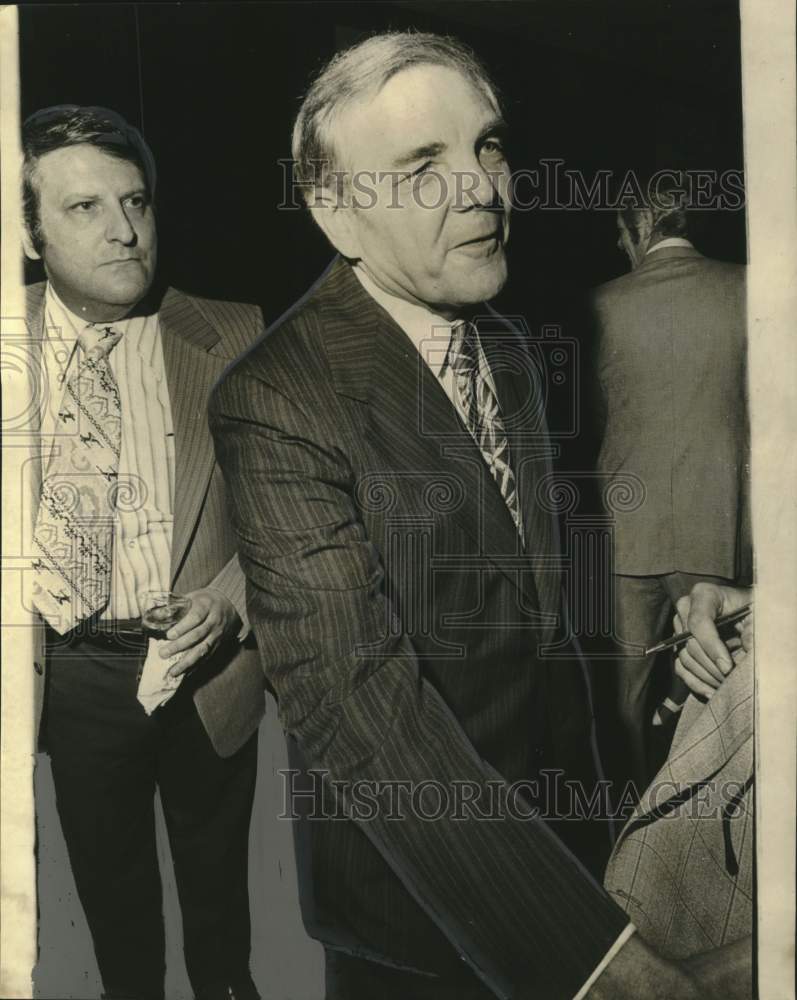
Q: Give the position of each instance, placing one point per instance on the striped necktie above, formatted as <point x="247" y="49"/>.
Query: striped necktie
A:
<point x="74" y="525"/>
<point x="483" y="414"/>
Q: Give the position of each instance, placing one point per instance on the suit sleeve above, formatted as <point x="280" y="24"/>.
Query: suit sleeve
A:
<point x="596" y="359"/>
<point x="242" y="325"/>
<point x="230" y="580"/>
<point x="513" y="902"/>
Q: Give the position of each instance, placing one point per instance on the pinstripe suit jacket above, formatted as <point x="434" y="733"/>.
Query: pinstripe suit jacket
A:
<point x="683" y="865"/>
<point x="398" y="625"/>
<point x="200" y="337"/>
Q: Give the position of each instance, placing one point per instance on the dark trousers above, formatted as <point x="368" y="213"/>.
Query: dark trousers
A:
<point x="349" y="978"/>
<point x="644" y="608"/>
<point x="108" y="757"/>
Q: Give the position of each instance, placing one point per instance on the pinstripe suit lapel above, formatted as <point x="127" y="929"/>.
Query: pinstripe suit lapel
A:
<point x="190" y="372"/>
<point x="413" y="423"/>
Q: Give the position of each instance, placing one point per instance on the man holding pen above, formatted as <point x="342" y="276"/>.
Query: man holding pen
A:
<point x="683" y="865"/>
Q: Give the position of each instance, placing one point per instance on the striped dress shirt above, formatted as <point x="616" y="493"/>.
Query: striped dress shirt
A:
<point x="145" y="505"/>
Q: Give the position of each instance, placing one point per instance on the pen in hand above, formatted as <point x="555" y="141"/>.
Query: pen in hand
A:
<point x="681" y="638"/>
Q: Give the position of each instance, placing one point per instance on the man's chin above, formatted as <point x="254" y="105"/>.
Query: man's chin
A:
<point x="481" y="283"/>
<point x="125" y="293"/>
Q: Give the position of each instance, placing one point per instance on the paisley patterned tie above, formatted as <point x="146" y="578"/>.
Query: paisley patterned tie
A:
<point x="74" y="525"/>
<point x="484" y="419"/>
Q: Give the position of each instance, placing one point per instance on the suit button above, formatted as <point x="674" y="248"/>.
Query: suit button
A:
<point x="38" y="667"/>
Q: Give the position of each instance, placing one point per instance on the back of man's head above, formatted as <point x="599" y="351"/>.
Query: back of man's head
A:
<point x="664" y="206"/>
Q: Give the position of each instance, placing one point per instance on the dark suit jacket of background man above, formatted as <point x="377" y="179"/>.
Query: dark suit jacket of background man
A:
<point x="199" y="338"/>
<point x="671" y="363"/>
<point x="345" y="458"/>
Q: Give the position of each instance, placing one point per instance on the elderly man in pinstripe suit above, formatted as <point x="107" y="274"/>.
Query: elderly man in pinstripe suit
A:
<point x="130" y="501"/>
<point x="383" y="445"/>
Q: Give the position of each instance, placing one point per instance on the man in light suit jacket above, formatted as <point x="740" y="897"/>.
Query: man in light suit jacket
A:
<point x="383" y="446"/>
<point x="671" y="367"/>
<point x="683" y="866"/>
<point x="128" y="499"/>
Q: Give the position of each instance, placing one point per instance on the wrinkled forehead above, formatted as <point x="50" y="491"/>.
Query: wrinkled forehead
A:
<point x="84" y="165"/>
<point x="413" y="104"/>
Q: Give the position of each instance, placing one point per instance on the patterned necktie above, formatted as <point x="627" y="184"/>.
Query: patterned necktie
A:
<point x="74" y="525"/>
<point x="484" y="420"/>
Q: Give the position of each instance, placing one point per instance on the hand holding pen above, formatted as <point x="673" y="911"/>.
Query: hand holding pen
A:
<point x="704" y="660"/>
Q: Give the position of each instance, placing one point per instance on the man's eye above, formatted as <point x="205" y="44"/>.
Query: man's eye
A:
<point x="136" y="201"/>
<point x="83" y="206"/>
<point x="493" y="147"/>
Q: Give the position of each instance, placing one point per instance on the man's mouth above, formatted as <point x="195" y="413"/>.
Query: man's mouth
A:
<point x="484" y="246"/>
<point x="484" y="238"/>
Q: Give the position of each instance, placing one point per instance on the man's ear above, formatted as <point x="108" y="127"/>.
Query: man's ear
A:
<point x="333" y="212"/>
<point x="644" y="223"/>
<point x="27" y="245"/>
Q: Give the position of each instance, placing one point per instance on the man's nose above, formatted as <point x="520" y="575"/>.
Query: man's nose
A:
<point x="477" y="187"/>
<point x="119" y="228"/>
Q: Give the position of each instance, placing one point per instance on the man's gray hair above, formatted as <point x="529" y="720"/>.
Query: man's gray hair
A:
<point x="666" y="201"/>
<point x="360" y="72"/>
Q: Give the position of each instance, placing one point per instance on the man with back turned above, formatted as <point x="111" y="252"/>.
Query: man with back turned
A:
<point x="671" y="367"/>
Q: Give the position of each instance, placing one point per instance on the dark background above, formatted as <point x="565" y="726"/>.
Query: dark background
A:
<point x="214" y="87"/>
<point x="612" y="85"/>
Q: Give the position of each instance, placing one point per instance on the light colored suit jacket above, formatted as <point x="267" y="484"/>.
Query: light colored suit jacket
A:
<point x="200" y="337"/>
<point x="683" y="866"/>
<point x="671" y="367"/>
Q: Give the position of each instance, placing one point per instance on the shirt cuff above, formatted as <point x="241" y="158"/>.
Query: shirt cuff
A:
<point x="610" y="955"/>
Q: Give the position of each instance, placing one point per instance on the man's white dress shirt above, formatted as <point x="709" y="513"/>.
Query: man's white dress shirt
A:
<point x="431" y="335"/>
<point x="671" y="241"/>
<point x="145" y="505"/>
<point x="145" y="500"/>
